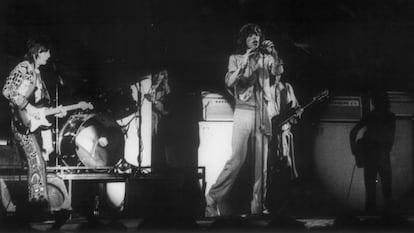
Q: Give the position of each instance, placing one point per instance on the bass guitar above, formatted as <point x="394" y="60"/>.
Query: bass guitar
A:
<point x="37" y="118"/>
<point x="280" y="122"/>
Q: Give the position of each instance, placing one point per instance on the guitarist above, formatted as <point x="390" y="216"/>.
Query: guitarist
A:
<point x="377" y="141"/>
<point x="281" y="160"/>
<point x="25" y="90"/>
<point x="159" y="95"/>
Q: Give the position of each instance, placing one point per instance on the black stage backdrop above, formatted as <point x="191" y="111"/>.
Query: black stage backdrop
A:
<point x="348" y="46"/>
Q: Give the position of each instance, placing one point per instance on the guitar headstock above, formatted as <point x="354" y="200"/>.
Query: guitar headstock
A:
<point x="322" y="95"/>
<point x="85" y="105"/>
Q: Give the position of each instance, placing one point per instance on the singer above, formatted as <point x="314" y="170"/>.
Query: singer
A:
<point x="247" y="78"/>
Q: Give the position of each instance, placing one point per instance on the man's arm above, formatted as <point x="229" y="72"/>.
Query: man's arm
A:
<point x="16" y="84"/>
<point x="238" y="72"/>
<point x="17" y="87"/>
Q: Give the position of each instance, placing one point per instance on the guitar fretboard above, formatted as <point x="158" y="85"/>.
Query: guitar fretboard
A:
<point x="53" y="111"/>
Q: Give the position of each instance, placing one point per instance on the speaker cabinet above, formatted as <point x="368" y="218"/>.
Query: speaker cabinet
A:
<point x="215" y="148"/>
<point x="401" y="103"/>
<point x="402" y="163"/>
<point x="334" y="164"/>
<point x="9" y="157"/>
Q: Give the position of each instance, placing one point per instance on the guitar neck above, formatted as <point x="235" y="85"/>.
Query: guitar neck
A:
<point x="293" y="115"/>
<point x="53" y="111"/>
<point x="308" y="104"/>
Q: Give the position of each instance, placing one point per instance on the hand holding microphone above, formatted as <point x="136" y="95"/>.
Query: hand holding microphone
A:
<point x="250" y="52"/>
<point x="268" y="47"/>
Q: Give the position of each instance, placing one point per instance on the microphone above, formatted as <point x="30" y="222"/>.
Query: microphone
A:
<point x="267" y="47"/>
<point x="61" y="80"/>
<point x="263" y="49"/>
<point x="260" y="49"/>
<point x="59" y="77"/>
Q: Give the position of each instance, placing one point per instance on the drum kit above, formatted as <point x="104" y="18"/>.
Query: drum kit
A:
<point x="96" y="140"/>
<point x="103" y="140"/>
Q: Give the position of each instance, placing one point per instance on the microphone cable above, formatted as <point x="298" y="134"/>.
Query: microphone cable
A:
<point x="350" y="183"/>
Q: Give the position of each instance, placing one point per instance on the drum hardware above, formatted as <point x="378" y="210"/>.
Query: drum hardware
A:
<point x="91" y="141"/>
<point x="138" y="87"/>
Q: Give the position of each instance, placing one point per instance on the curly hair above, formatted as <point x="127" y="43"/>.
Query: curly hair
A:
<point x="245" y="31"/>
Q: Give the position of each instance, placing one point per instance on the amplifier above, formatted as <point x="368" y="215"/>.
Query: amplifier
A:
<point x="343" y="108"/>
<point x="214" y="149"/>
<point x="216" y="107"/>
<point x="401" y="103"/>
<point x="9" y="157"/>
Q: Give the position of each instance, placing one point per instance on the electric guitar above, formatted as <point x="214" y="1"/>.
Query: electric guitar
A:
<point x="277" y="123"/>
<point x="360" y="152"/>
<point x="32" y="121"/>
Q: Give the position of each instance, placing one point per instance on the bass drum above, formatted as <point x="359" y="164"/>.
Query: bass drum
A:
<point x="92" y="140"/>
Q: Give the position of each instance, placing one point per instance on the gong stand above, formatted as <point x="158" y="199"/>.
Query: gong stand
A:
<point x="139" y="117"/>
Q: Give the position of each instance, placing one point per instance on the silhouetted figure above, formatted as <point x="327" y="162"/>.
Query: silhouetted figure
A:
<point x="158" y="95"/>
<point x="375" y="147"/>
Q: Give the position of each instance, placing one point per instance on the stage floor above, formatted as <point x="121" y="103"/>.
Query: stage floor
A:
<point x="239" y="224"/>
<point x="171" y="222"/>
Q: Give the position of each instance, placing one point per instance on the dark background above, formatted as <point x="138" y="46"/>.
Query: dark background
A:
<point x="350" y="47"/>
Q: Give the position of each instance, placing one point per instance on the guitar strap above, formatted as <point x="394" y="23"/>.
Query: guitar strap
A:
<point x="41" y="93"/>
<point x="38" y="91"/>
<point x="285" y="147"/>
<point x="283" y="102"/>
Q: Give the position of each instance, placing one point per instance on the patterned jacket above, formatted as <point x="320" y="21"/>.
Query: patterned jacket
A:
<point x="21" y="84"/>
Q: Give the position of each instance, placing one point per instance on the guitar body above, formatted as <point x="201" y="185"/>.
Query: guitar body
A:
<point x="37" y="117"/>
<point x="292" y="113"/>
<point x="32" y="122"/>
<point x="279" y="120"/>
<point x="360" y="152"/>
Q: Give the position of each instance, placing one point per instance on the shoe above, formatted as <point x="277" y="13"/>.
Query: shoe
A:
<point x="61" y="217"/>
<point x="211" y="211"/>
<point x="256" y="207"/>
<point x="211" y="207"/>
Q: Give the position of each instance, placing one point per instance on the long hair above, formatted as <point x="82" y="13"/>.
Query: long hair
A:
<point x="164" y="83"/>
<point x="34" y="46"/>
<point x="245" y="31"/>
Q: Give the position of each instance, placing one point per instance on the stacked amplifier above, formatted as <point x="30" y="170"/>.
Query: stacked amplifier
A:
<point x="215" y="135"/>
<point x="216" y="107"/>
